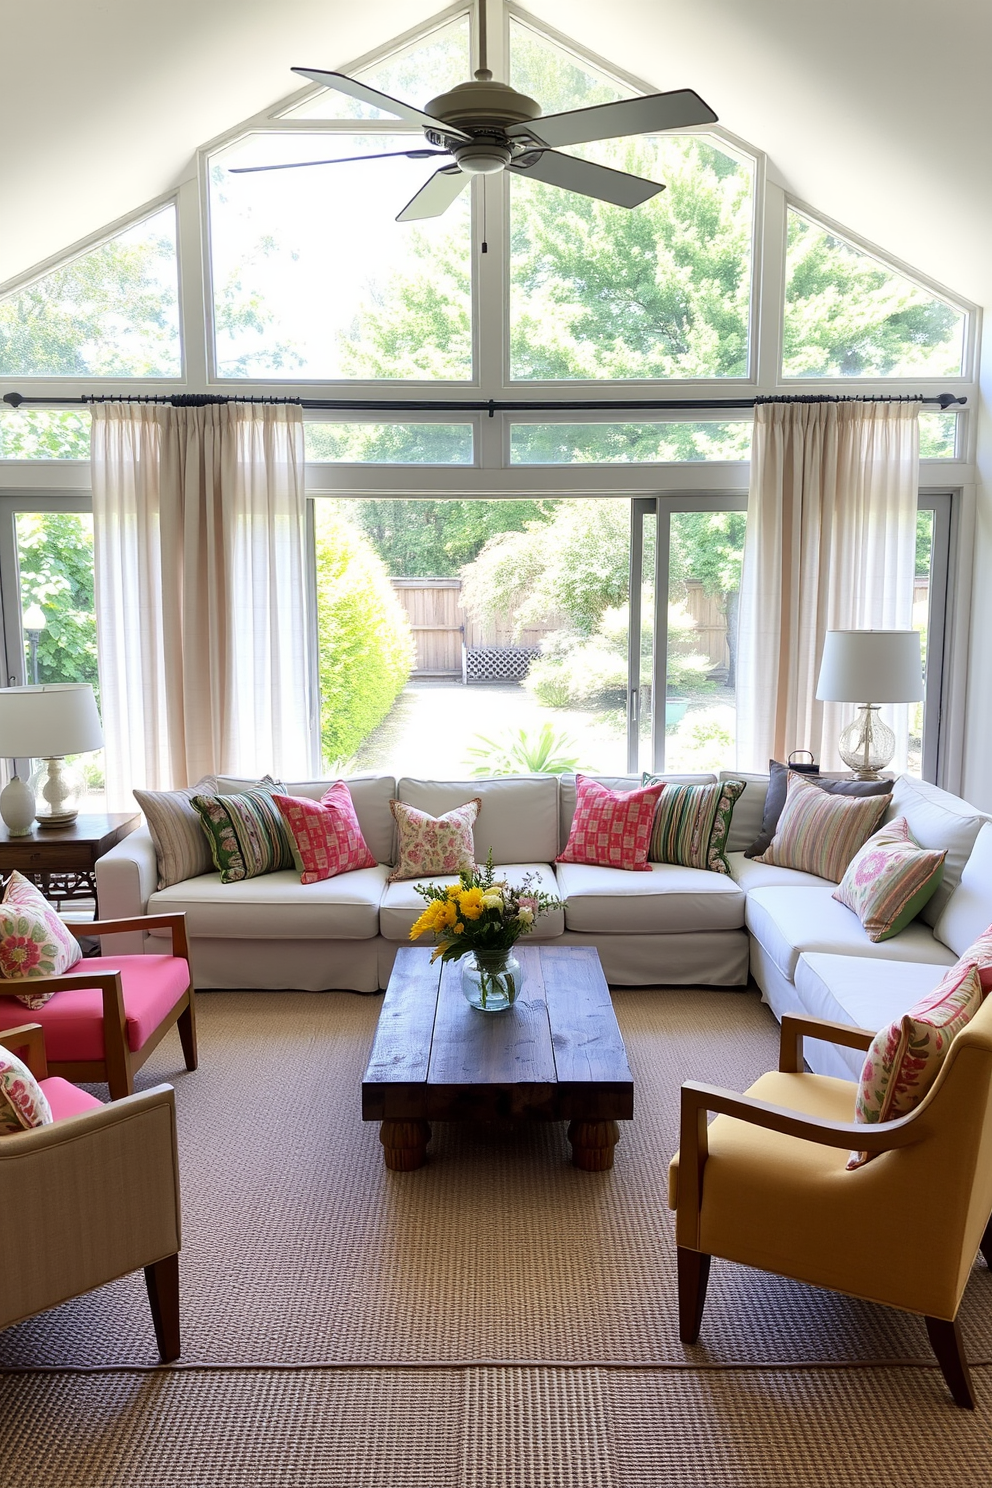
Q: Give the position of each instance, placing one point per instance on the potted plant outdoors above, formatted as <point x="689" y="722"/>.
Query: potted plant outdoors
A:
<point x="481" y="918"/>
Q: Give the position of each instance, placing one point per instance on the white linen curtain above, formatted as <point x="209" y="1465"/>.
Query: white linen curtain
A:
<point x="830" y="545"/>
<point x="199" y="542"/>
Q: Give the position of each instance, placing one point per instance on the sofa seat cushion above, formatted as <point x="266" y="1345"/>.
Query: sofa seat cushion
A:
<point x="789" y="921"/>
<point x="277" y="906"/>
<point x="66" y="1099"/>
<point x="401" y="904"/>
<point x="668" y="899"/>
<point x="845" y="989"/>
<point x="751" y="874"/>
<point x="73" y="1019"/>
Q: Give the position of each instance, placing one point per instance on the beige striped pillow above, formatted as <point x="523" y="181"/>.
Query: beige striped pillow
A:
<point x="181" y="847"/>
<point x="820" y="833"/>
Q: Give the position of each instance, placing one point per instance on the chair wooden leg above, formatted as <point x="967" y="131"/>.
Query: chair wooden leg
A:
<point x="985" y="1244"/>
<point x="694" y="1273"/>
<point x="945" y="1340"/>
<point x="187" y="1033"/>
<point x="162" y="1281"/>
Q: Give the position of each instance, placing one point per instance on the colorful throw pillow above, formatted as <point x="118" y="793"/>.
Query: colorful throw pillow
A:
<point x="778" y="781"/>
<point x="181" y="848"/>
<point x="325" y="835"/>
<point x="905" y="1058"/>
<point x="611" y="828"/>
<point x="246" y="834"/>
<point x="34" y="941"/>
<point x="23" y="1103"/>
<point x="888" y="882"/>
<point x="979" y="955"/>
<point x="820" y="833"/>
<point x="692" y="823"/>
<point x="429" y="845"/>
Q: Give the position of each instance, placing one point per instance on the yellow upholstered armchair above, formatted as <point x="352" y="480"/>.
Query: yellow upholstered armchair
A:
<point x="90" y="1196"/>
<point x="767" y="1185"/>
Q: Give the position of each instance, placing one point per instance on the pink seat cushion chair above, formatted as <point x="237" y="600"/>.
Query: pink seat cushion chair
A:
<point x="73" y="1020"/>
<point x="67" y="1100"/>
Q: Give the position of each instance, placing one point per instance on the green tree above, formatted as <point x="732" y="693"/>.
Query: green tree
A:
<point x="436" y="539"/>
<point x="55" y="551"/>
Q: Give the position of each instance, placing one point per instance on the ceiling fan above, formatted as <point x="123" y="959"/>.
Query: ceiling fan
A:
<point x="487" y="127"/>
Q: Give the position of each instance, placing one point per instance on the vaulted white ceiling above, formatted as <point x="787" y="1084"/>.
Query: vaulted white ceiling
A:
<point x="876" y="112"/>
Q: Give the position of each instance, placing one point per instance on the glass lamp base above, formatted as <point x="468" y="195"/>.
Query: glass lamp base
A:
<point x="57" y="791"/>
<point x="867" y="745"/>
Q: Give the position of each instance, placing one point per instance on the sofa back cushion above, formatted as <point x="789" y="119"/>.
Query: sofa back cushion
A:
<point x="937" y="820"/>
<point x="518" y="816"/>
<point x="968" y="912"/>
<point x="567" y="793"/>
<point x="370" y="796"/>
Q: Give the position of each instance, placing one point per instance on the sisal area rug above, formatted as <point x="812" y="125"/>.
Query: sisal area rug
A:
<point x="497" y="1317"/>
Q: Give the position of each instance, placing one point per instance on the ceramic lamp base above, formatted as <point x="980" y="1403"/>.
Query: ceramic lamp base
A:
<point x="17" y="807"/>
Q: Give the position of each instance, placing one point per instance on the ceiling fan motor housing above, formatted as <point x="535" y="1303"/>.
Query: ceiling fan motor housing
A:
<point x="485" y="109"/>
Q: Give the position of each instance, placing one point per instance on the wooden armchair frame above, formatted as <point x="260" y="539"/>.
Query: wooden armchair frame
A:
<point x="120" y="1064"/>
<point x="885" y="1136"/>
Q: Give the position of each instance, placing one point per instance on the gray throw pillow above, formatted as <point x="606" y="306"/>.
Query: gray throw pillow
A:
<point x="778" y="785"/>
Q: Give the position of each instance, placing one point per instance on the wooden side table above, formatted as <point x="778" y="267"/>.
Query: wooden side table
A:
<point x="61" y="860"/>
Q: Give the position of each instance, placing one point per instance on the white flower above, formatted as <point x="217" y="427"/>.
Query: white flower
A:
<point x="525" y="916"/>
<point x="492" y="901"/>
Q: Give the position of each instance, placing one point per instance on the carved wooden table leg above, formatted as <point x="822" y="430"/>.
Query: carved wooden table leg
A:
<point x="593" y="1143"/>
<point x="404" y="1144"/>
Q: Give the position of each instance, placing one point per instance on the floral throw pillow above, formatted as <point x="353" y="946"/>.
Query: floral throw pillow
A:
<point x="905" y="1058"/>
<point x="23" y="1103"/>
<point x="34" y="940"/>
<point x="611" y="829"/>
<point x="325" y="835"/>
<point x="429" y="845"/>
<point x="890" y="879"/>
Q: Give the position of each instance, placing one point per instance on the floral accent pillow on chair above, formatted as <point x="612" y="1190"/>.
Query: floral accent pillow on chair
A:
<point x="34" y="940"/>
<point x="23" y="1103"/>
<point x="325" y="835"/>
<point x="430" y="845"/>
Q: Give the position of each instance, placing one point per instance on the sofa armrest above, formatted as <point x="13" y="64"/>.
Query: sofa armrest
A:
<point x="98" y="1195"/>
<point x="126" y="878"/>
<point x="796" y="1027"/>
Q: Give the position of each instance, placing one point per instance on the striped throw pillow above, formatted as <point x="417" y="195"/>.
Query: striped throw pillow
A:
<point x="181" y="849"/>
<point x="888" y="882"/>
<point x="979" y="955"/>
<point x="246" y="834"/>
<point x="820" y="833"/>
<point x="692" y="823"/>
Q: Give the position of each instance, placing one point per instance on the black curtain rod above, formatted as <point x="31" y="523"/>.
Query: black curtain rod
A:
<point x="490" y="406"/>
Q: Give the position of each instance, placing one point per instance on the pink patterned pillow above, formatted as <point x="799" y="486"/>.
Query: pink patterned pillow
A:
<point x="611" y="829"/>
<point x="889" y="880"/>
<point x="429" y="845"/>
<point x="34" y="940"/>
<point x="905" y="1058"/>
<point x="979" y="955"/>
<point x="23" y="1103"/>
<point x="325" y="836"/>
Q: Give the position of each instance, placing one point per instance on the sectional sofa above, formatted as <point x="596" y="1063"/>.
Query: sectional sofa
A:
<point x="671" y="926"/>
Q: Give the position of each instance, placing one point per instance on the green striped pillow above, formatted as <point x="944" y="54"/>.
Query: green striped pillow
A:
<point x="820" y="833"/>
<point x="246" y="833"/>
<point x="692" y="823"/>
<point x="890" y="879"/>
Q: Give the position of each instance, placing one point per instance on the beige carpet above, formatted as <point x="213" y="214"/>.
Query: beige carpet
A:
<point x="496" y="1318"/>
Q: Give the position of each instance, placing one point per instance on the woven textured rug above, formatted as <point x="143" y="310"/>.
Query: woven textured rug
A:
<point x="300" y="1249"/>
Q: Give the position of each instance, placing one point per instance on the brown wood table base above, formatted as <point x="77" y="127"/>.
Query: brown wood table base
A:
<point x="556" y="1055"/>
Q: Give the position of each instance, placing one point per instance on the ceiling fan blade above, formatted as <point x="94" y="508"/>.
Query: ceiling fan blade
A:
<point x="365" y="94"/>
<point x="243" y="170"/>
<point x="656" y="111"/>
<point x="583" y="176"/>
<point x="436" y="195"/>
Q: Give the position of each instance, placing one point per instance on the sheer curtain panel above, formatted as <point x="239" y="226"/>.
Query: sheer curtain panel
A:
<point x="830" y="545"/>
<point x="199" y="542"/>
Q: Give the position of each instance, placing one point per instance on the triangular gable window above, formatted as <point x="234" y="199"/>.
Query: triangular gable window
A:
<point x="112" y="312"/>
<point x="559" y="80"/>
<point x="419" y="72"/>
<point x="848" y="314"/>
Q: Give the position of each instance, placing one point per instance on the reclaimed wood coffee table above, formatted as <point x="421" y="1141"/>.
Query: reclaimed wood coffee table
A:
<point x="556" y="1055"/>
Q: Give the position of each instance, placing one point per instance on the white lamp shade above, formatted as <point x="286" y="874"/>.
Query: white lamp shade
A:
<point x="871" y="666"/>
<point x="39" y="721"/>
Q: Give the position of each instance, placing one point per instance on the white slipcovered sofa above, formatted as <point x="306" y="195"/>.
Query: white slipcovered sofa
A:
<point x="671" y="926"/>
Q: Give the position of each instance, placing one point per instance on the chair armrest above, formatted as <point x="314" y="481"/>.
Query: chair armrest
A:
<point x="114" y="1041"/>
<point x="85" y="929"/>
<point x="698" y="1100"/>
<point x="99" y="1197"/>
<point x="28" y="1043"/>
<point x="796" y="1028"/>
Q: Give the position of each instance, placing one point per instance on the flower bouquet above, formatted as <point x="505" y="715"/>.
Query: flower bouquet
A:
<point x="481" y="918"/>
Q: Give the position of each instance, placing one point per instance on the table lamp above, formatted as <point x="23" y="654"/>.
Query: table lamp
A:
<point x="883" y="665"/>
<point x="46" y="723"/>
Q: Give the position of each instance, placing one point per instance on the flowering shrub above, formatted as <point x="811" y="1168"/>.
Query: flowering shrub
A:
<point x="480" y="913"/>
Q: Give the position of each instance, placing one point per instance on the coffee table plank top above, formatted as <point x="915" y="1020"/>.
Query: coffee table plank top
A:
<point x="402" y="1049"/>
<point x="473" y="1048"/>
<point x="587" y="1041"/>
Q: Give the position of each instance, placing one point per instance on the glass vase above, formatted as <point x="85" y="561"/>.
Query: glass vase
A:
<point x="491" y="980"/>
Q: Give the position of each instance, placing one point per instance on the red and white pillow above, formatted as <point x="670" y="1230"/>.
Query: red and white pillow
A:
<point x="979" y="955"/>
<point x="905" y="1058"/>
<point x="324" y="835"/>
<point x="610" y="828"/>
<point x="431" y="845"/>
<point x="34" y="940"/>
<point x="23" y="1103"/>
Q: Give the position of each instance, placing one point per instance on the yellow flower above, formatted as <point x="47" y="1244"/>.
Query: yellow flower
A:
<point x="445" y="914"/>
<point x="453" y="890"/>
<point x="425" y="922"/>
<point x="470" y="903"/>
<point x="458" y="928"/>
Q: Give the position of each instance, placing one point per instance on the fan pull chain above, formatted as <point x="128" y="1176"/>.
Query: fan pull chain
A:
<point x="485" y="200"/>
